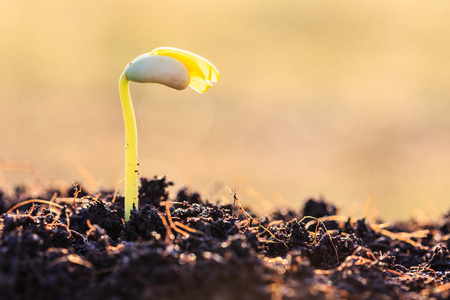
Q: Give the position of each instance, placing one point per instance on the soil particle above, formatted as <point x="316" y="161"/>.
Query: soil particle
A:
<point x="99" y="213"/>
<point x="187" y="247"/>
<point x="3" y="204"/>
<point x="153" y="191"/>
<point x="144" y="225"/>
<point x="318" y="208"/>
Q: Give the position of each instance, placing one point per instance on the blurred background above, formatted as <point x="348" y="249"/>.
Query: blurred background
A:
<point x="339" y="100"/>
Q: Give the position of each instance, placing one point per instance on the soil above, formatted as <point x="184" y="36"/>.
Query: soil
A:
<point x="186" y="247"/>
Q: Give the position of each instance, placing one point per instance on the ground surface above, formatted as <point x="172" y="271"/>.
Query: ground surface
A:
<point x="185" y="247"/>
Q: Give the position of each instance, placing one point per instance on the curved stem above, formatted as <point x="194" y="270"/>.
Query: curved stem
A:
<point x="131" y="155"/>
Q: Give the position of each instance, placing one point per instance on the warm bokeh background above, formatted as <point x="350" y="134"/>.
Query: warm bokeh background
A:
<point x="338" y="99"/>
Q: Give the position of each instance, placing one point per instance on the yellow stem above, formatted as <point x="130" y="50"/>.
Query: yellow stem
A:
<point x="131" y="155"/>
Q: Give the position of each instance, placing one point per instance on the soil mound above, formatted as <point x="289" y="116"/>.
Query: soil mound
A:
<point x="76" y="246"/>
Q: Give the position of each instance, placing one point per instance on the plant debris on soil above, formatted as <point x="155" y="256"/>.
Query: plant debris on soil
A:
<point x="72" y="245"/>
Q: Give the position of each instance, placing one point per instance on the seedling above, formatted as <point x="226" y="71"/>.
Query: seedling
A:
<point x="172" y="67"/>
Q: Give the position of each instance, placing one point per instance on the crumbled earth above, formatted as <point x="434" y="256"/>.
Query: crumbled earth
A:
<point x="185" y="247"/>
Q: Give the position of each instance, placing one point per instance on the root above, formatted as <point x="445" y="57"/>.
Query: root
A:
<point x="33" y="201"/>
<point x="249" y="217"/>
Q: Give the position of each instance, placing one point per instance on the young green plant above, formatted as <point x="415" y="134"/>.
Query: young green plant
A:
<point x="172" y="67"/>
